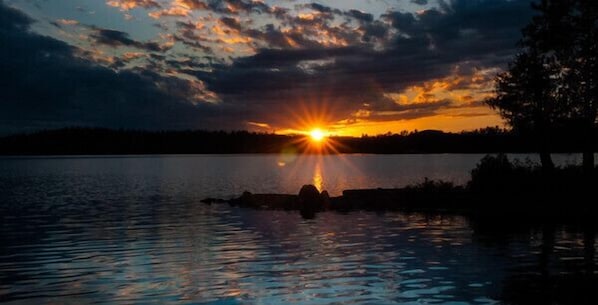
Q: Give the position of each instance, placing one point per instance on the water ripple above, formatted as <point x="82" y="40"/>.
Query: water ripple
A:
<point x="104" y="236"/>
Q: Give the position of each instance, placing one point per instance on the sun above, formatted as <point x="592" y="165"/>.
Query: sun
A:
<point x="317" y="135"/>
<point x="316" y="140"/>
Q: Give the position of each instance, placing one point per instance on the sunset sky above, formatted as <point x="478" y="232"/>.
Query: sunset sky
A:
<point x="348" y="67"/>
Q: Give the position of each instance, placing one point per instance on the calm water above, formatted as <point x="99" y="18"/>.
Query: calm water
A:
<point x="122" y="230"/>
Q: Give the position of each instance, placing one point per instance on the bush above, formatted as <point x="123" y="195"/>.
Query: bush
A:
<point x="432" y="186"/>
<point x="497" y="174"/>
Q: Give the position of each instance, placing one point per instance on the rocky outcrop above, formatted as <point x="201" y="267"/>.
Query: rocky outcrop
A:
<point x="309" y="201"/>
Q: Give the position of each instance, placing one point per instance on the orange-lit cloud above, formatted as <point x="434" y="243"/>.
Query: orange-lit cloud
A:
<point x="260" y="125"/>
<point x="452" y="103"/>
<point x="174" y="11"/>
<point x="191" y="4"/>
<point x="133" y="55"/>
<point x="67" y="21"/>
<point x="126" y="5"/>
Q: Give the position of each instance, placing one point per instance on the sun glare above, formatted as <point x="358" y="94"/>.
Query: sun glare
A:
<point x="317" y="135"/>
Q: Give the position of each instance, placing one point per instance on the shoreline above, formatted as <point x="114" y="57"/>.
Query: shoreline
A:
<point x="429" y="197"/>
<point x="91" y="155"/>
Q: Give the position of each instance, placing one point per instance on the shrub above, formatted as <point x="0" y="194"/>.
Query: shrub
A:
<point x="497" y="173"/>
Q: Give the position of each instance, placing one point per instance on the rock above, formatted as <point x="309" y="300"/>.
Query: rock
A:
<point x="244" y="200"/>
<point x="309" y="201"/>
<point x="309" y="194"/>
<point x="325" y="200"/>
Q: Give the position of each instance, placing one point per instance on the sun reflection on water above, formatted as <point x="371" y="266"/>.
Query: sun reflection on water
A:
<point x="318" y="180"/>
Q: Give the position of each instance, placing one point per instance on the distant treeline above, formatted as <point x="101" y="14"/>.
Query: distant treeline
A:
<point x="108" y="141"/>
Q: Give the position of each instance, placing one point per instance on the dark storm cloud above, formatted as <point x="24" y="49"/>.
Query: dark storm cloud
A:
<point x="322" y="8"/>
<point x="359" y="15"/>
<point x="420" y="2"/>
<point x="329" y="12"/>
<point x="44" y="84"/>
<point x="428" y="46"/>
<point x="410" y="112"/>
<point x="232" y="23"/>
<point x="374" y="30"/>
<point x="13" y="20"/>
<point x="234" y="7"/>
<point x="404" y="22"/>
<point x="186" y="35"/>
<point x="115" y="38"/>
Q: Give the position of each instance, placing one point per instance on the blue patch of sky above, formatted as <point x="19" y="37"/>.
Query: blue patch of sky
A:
<point x="95" y="13"/>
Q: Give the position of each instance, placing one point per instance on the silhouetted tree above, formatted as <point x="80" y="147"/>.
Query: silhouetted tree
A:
<point x="553" y="81"/>
<point x="582" y="62"/>
<point x="525" y="97"/>
<point x="566" y="32"/>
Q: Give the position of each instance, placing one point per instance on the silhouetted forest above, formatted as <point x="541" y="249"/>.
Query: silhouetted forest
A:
<point x="108" y="141"/>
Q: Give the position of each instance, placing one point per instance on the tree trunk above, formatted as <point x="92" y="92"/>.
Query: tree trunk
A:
<point x="546" y="161"/>
<point x="588" y="152"/>
<point x="588" y="161"/>
<point x="544" y="150"/>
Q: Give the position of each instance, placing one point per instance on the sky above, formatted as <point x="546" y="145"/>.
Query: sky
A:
<point x="350" y="67"/>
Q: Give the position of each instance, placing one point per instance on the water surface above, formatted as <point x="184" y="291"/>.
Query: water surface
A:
<point x="123" y="230"/>
<point x="228" y="175"/>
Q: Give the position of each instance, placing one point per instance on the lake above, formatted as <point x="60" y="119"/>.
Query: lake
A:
<point x="131" y="229"/>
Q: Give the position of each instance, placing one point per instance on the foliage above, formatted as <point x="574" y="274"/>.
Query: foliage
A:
<point x="496" y="173"/>
<point x="553" y="81"/>
<point x="498" y="178"/>
<point x="431" y="186"/>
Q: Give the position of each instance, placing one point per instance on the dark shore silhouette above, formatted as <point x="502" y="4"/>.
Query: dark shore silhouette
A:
<point x="499" y="190"/>
<point x="97" y="141"/>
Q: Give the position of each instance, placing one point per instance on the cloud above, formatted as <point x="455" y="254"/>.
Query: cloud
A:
<point x="126" y="5"/>
<point x="229" y="7"/>
<point x="320" y="8"/>
<point x="64" y="22"/>
<point x="232" y="23"/>
<point x="174" y="11"/>
<point x="359" y="15"/>
<point x="420" y="2"/>
<point x="13" y="20"/>
<point x="240" y="61"/>
<point x="428" y="45"/>
<point x="238" y="6"/>
<point x="45" y="84"/>
<point x="192" y="4"/>
<point x="115" y="38"/>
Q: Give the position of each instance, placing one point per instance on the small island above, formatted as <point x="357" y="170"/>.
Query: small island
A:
<point x="498" y="189"/>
